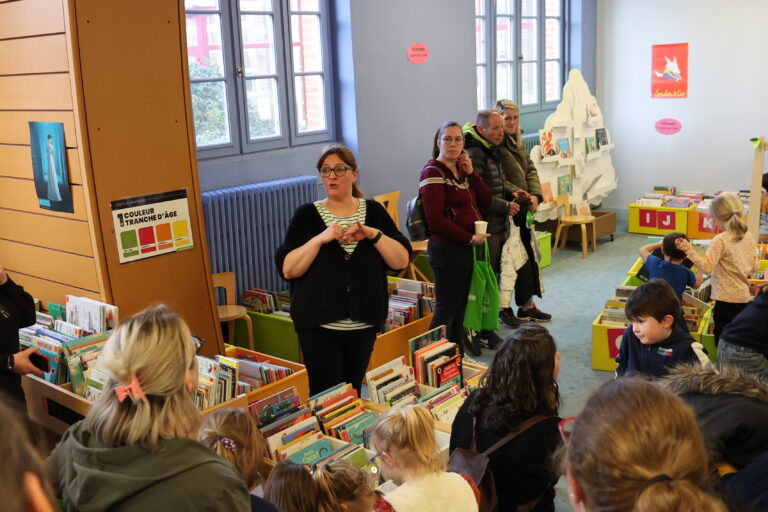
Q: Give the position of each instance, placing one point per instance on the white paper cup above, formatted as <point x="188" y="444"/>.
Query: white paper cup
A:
<point x="481" y="227"/>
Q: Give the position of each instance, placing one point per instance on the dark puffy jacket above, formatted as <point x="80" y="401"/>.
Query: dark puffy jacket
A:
<point x="486" y="162"/>
<point x="518" y="168"/>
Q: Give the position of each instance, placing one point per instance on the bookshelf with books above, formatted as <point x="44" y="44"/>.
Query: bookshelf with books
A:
<point x="573" y="156"/>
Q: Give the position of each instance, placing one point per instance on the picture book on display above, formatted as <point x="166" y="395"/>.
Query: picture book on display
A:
<point x="564" y="185"/>
<point x="564" y="147"/>
<point x="602" y="137"/>
<point x="422" y="340"/>
<point x="546" y="192"/>
<point x="591" y="145"/>
<point x="548" y="147"/>
<point x="90" y="315"/>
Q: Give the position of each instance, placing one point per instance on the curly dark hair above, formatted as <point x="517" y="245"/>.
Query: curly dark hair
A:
<point x="520" y="380"/>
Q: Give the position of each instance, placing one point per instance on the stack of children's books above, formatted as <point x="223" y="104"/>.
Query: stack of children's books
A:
<point x="393" y="384"/>
<point x="409" y="300"/>
<point x="265" y="301"/>
<point x="90" y="315"/>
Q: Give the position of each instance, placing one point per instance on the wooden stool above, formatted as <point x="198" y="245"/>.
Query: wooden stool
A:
<point x="568" y="220"/>
<point x="412" y="271"/>
<point x="231" y="312"/>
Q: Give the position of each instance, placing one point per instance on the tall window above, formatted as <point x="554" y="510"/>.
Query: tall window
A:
<point x="259" y="73"/>
<point x="519" y="52"/>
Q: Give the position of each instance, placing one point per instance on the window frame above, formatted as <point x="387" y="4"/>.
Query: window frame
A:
<point x="490" y="51"/>
<point x="235" y="79"/>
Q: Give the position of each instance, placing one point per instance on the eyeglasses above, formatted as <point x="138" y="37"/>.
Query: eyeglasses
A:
<point x="565" y="434"/>
<point x="199" y="342"/>
<point x="378" y="455"/>
<point x="452" y="140"/>
<point x="337" y="171"/>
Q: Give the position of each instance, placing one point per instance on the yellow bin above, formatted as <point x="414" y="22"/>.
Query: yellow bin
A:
<point x="651" y="220"/>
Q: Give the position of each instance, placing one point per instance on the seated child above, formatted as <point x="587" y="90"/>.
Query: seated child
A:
<point x="671" y="268"/>
<point x="344" y="487"/>
<point x="655" y="341"/>
<point x="404" y="440"/>
<point x="291" y="488"/>
<point x="233" y="435"/>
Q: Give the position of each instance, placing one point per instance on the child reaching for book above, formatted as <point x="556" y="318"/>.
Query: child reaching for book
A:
<point x="291" y="488"/>
<point x="344" y="487"/>
<point x="233" y="435"/>
<point x="655" y="341"/>
<point x="671" y="267"/>
<point x="404" y="440"/>
<point x="730" y="259"/>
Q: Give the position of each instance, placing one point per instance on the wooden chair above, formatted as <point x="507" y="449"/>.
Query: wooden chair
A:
<point x="390" y="202"/>
<point x="230" y="312"/>
<point x="412" y="271"/>
<point x="568" y="220"/>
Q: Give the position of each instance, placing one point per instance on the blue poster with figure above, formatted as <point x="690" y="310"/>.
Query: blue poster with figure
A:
<point x="49" y="164"/>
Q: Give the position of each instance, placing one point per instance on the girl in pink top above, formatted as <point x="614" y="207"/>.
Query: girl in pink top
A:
<point x="730" y="259"/>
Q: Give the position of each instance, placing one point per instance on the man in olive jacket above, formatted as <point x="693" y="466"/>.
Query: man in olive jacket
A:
<point x="481" y="141"/>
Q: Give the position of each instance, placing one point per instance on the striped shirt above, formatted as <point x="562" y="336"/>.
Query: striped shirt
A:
<point x="346" y="324"/>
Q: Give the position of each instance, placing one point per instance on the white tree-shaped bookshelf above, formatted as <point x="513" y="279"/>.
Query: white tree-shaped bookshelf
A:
<point x="577" y="117"/>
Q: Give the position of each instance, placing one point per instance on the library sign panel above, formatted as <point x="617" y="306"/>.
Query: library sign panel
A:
<point x="658" y="219"/>
<point x="151" y="225"/>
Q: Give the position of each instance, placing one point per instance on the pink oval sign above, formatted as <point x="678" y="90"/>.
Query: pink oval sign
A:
<point x="418" y="53"/>
<point x="668" y="126"/>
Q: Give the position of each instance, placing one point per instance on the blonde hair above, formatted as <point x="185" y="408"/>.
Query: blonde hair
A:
<point x="156" y="347"/>
<point x="729" y="211"/>
<point x="340" y="481"/>
<point x="411" y="430"/>
<point x="248" y="449"/>
<point x="503" y="105"/>
<point x="635" y="447"/>
<point x="291" y="488"/>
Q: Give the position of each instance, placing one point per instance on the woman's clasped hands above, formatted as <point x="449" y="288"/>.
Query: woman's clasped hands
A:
<point x="352" y="233"/>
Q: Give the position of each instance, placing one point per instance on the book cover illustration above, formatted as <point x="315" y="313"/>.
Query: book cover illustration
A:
<point x="602" y="137"/>
<point x="564" y="185"/>
<point x="546" y="192"/>
<point x="591" y="145"/>
<point x="592" y="112"/>
<point x="564" y="147"/>
<point x="547" y="143"/>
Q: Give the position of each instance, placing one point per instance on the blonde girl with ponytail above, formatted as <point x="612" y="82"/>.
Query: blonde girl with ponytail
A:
<point x="405" y="444"/>
<point x="344" y="487"/>
<point x="635" y="448"/>
<point x="730" y="259"/>
<point x="135" y="449"/>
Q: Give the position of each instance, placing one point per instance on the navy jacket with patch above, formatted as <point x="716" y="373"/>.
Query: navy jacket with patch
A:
<point x="654" y="360"/>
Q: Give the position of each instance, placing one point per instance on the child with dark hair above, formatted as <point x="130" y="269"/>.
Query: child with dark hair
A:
<point x="655" y="341"/>
<point x="519" y="388"/>
<point x="671" y="266"/>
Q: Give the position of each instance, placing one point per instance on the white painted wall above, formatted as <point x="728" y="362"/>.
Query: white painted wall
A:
<point x="727" y="100"/>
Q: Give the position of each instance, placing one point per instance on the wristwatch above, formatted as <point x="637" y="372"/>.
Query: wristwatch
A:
<point x="375" y="239"/>
<point x="9" y="362"/>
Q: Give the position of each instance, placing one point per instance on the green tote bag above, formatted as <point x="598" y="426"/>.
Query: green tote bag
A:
<point x="473" y="315"/>
<point x="491" y="297"/>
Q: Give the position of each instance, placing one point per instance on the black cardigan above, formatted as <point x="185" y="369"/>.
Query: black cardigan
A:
<point x="338" y="285"/>
<point x="17" y="310"/>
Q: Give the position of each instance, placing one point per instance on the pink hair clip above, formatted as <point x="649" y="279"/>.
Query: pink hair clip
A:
<point x="133" y="390"/>
<point x="228" y="443"/>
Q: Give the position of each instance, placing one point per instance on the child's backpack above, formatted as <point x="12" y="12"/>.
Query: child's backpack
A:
<point x="476" y="465"/>
<point x="417" y="220"/>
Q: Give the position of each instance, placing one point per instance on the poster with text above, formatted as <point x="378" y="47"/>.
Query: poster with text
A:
<point x="669" y="71"/>
<point x="49" y="166"/>
<point x="152" y="225"/>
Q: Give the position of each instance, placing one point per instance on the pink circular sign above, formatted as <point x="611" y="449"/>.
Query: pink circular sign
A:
<point x="418" y="53"/>
<point x="668" y="126"/>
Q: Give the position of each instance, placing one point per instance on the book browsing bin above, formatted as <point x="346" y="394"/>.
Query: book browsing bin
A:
<point x="57" y="407"/>
<point x="298" y="379"/>
<point x="701" y="225"/>
<point x="657" y="220"/>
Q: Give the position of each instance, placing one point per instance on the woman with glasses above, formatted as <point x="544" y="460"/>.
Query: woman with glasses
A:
<point x="518" y="399"/>
<point x="635" y="447"/>
<point x="335" y="256"/>
<point x="452" y="195"/>
<point x="135" y="449"/>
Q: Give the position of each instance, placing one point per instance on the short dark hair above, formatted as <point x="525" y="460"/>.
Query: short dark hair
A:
<point x="484" y="117"/>
<point x="654" y="299"/>
<point x="670" y="249"/>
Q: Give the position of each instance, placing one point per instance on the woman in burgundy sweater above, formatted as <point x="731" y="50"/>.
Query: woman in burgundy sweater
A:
<point x="453" y="196"/>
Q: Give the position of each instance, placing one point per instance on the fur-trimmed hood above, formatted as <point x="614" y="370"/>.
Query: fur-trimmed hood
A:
<point x="731" y="380"/>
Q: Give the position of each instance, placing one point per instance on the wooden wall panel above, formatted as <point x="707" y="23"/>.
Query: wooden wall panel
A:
<point x="56" y="232"/>
<point x="49" y="264"/>
<point x="20" y="195"/>
<point x="35" y="92"/>
<point x="16" y="162"/>
<point x="14" y="126"/>
<point x="30" y="18"/>
<point x="49" y="291"/>
<point x="139" y="126"/>
<point x="47" y="54"/>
